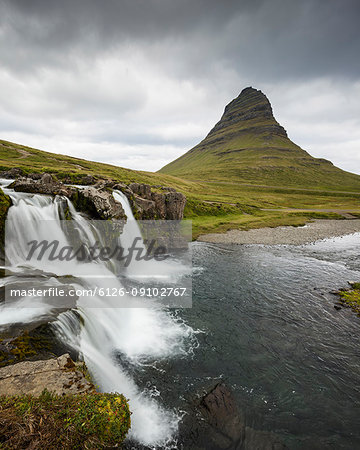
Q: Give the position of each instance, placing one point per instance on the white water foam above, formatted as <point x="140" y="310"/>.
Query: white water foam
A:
<point x="105" y="330"/>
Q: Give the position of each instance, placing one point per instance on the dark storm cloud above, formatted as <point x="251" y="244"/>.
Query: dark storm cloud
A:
<point x="280" y="37"/>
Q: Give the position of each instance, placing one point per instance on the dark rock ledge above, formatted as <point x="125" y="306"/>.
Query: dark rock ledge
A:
<point x="148" y="204"/>
<point x="214" y="422"/>
<point x="97" y="201"/>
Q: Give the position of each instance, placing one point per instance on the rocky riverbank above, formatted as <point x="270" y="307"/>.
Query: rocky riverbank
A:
<point x="147" y="202"/>
<point x="312" y="232"/>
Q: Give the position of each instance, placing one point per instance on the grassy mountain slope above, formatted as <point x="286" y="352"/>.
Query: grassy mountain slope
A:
<point x="245" y="174"/>
<point x="248" y="145"/>
<point x="33" y="160"/>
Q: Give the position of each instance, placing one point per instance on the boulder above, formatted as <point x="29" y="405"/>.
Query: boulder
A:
<point x="45" y="185"/>
<point x="165" y="206"/>
<point x="34" y="175"/>
<point x="12" y="173"/>
<point x="142" y="190"/>
<point x="219" y="410"/>
<point x="5" y="203"/>
<point x="99" y="203"/>
<point x="174" y="205"/>
<point x="160" y="204"/>
<point x="214" y="422"/>
<point x="59" y="375"/>
<point x="146" y="209"/>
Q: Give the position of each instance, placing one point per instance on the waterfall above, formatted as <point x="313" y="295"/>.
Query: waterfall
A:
<point x="106" y="334"/>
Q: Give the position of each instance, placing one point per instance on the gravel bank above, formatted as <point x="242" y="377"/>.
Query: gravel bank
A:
<point x="314" y="231"/>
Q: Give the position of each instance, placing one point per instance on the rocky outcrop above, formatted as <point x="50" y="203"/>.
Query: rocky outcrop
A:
<point x="98" y="202"/>
<point x="45" y="185"/>
<point x="12" y="173"/>
<point x="149" y="204"/>
<point x="74" y="178"/>
<point x="85" y="180"/>
<point x="216" y="423"/>
<point x="5" y="203"/>
<point x="58" y="375"/>
<point x="251" y="110"/>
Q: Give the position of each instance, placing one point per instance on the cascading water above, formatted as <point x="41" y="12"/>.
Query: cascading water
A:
<point x="107" y="333"/>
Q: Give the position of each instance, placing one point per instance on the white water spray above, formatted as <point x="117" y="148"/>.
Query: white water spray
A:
<point x="107" y="331"/>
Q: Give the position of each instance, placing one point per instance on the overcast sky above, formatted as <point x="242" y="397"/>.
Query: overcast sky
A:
<point x="137" y="83"/>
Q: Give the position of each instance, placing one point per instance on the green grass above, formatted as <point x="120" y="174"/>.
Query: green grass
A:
<point x="259" y="219"/>
<point x="266" y="165"/>
<point x="212" y="206"/>
<point x="51" y="421"/>
<point x="351" y="298"/>
<point x="33" y="160"/>
<point x="249" y="146"/>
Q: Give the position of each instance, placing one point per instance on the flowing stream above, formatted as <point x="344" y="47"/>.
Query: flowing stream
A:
<point x="113" y="338"/>
<point x="267" y="325"/>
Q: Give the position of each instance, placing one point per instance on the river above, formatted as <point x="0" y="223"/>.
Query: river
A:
<point x="262" y="320"/>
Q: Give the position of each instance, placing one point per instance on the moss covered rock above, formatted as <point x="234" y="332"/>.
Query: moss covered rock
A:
<point x="350" y="298"/>
<point x="5" y="203"/>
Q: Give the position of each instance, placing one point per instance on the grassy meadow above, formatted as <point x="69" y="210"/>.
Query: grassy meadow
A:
<point x="213" y="205"/>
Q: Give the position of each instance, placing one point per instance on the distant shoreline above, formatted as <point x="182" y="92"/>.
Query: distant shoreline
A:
<point x="286" y="235"/>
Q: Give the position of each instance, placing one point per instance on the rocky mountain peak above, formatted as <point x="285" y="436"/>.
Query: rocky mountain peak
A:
<point x="252" y="111"/>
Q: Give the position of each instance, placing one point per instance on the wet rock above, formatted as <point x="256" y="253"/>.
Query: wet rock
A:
<point x="99" y="203"/>
<point x="216" y="423"/>
<point x="5" y="203"/>
<point x="148" y="204"/>
<point x="146" y="209"/>
<point x="30" y="342"/>
<point x="123" y="188"/>
<point x="59" y="375"/>
<point x="219" y="410"/>
<point x="175" y="204"/>
<point x="261" y="440"/>
<point x="142" y="190"/>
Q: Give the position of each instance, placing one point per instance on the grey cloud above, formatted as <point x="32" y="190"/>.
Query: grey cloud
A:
<point x="278" y="37"/>
<point x="144" y="72"/>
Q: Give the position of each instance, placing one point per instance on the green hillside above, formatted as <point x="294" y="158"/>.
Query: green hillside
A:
<point x="248" y="145"/>
<point x="32" y="160"/>
<point x="245" y="174"/>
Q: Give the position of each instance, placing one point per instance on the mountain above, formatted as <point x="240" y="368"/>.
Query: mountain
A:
<point x="248" y="145"/>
